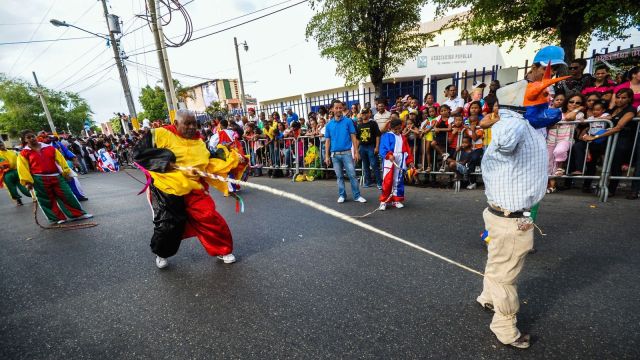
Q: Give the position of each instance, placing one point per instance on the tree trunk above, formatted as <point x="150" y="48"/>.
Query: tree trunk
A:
<point x="570" y="30"/>
<point x="376" y="78"/>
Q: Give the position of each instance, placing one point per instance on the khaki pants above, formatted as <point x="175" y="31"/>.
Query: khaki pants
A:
<point x="507" y="249"/>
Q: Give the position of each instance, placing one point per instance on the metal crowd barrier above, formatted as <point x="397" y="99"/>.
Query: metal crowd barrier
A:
<point x="288" y="154"/>
<point x="607" y="177"/>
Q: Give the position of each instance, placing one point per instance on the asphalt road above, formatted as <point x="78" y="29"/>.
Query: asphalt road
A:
<point x="309" y="286"/>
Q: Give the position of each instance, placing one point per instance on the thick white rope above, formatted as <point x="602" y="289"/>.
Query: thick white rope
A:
<point x="327" y="211"/>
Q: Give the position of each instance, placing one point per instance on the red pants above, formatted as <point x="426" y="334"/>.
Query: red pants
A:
<point x="180" y="217"/>
<point x="204" y="222"/>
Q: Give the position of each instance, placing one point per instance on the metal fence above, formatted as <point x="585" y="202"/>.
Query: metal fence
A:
<point x="603" y="162"/>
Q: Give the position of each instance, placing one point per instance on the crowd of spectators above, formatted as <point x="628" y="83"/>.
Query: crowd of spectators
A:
<point x="436" y="132"/>
<point x="447" y="137"/>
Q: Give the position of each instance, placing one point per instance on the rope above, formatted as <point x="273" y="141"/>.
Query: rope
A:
<point x="327" y="211"/>
<point x="386" y="201"/>
<point x="57" y="226"/>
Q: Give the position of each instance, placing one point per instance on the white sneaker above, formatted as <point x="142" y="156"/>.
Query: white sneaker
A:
<point x="398" y="205"/>
<point x="161" y="262"/>
<point x="471" y="186"/>
<point x="228" y="259"/>
<point x="383" y="206"/>
<point x="86" y="216"/>
<point x="61" y="221"/>
<point x="361" y="200"/>
<point x="340" y="200"/>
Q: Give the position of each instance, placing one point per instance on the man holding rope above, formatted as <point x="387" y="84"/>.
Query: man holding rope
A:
<point x="515" y="178"/>
<point x="180" y="201"/>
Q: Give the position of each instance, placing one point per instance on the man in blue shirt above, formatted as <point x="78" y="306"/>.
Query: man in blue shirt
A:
<point x="291" y="116"/>
<point x="340" y="135"/>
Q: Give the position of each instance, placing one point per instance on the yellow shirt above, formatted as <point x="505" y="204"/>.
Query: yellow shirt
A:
<point x="24" y="169"/>
<point x="190" y="153"/>
<point x="11" y="157"/>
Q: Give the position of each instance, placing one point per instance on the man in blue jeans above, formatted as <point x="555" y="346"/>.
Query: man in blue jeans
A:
<point x="340" y="136"/>
<point x="368" y="135"/>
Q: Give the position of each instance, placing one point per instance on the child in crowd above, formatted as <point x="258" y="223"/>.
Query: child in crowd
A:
<point x="456" y="129"/>
<point x="461" y="166"/>
<point x="394" y="148"/>
<point x="426" y="132"/>
<point x="598" y="112"/>
<point x="560" y="137"/>
<point x="476" y="134"/>
<point x="441" y="128"/>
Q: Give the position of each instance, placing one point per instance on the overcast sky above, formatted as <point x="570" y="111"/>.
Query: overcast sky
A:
<point x="275" y="43"/>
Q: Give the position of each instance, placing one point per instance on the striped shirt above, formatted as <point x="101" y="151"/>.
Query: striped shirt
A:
<point x="514" y="167"/>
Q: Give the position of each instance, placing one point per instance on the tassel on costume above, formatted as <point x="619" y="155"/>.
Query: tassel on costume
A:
<point x="147" y="175"/>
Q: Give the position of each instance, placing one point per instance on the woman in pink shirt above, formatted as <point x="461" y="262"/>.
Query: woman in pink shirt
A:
<point x="560" y="137"/>
<point x="633" y="84"/>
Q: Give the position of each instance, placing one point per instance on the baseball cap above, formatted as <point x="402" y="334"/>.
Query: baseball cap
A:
<point x="550" y="54"/>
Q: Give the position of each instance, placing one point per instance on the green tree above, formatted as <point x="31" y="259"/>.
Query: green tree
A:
<point x="153" y="102"/>
<point x="20" y="108"/>
<point x="216" y="109"/>
<point x="116" y="124"/>
<point x="568" y="22"/>
<point x="367" y="37"/>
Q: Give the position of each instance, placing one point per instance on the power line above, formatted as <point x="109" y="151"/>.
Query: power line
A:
<point x="248" y="21"/>
<point x="97" y="82"/>
<point x="32" y="35"/>
<point x="227" y="28"/>
<point x="60" y="85"/>
<point x="45" y="40"/>
<point x="220" y="71"/>
<point x="59" y="37"/>
<point x="88" y="77"/>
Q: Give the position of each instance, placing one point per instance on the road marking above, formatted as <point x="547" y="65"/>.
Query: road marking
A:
<point x="330" y="212"/>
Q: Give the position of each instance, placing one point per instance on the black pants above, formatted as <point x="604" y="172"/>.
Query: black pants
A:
<point x="169" y="219"/>
<point x="579" y="154"/>
<point x="474" y="161"/>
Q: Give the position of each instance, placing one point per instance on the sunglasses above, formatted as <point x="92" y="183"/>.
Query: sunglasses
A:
<point x="573" y="68"/>
<point x="575" y="102"/>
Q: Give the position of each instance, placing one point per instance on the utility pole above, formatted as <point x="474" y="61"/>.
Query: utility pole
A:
<point x="44" y="105"/>
<point x="242" y="96"/>
<point x="123" y="74"/>
<point x="163" y="59"/>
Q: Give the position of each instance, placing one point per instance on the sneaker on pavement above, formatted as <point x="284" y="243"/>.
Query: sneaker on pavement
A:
<point x="85" y="216"/>
<point x="19" y="202"/>
<point x="161" y="262"/>
<point x="340" y="200"/>
<point x="383" y="206"/>
<point x="398" y="205"/>
<point x="360" y="199"/>
<point x="228" y="259"/>
<point x="379" y="187"/>
<point x="61" y="221"/>
<point x="471" y="186"/>
<point x="523" y="342"/>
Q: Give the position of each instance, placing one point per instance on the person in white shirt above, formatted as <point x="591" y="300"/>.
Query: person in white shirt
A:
<point x="455" y="102"/>
<point x="382" y="115"/>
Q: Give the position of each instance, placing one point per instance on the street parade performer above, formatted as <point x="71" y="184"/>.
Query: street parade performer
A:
<point x="514" y="170"/>
<point x="397" y="156"/>
<point x="44" y="169"/>
<point x="9" y="174"/>
<point x="180" y="201"/>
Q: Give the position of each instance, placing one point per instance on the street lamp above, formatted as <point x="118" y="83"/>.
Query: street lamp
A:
<point x="59" y="23"/>
<point x="113" y="26"/>
<point x="242" y="95"/>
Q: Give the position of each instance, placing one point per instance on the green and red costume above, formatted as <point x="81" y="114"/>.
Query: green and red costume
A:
<point x="44" y="169"/>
